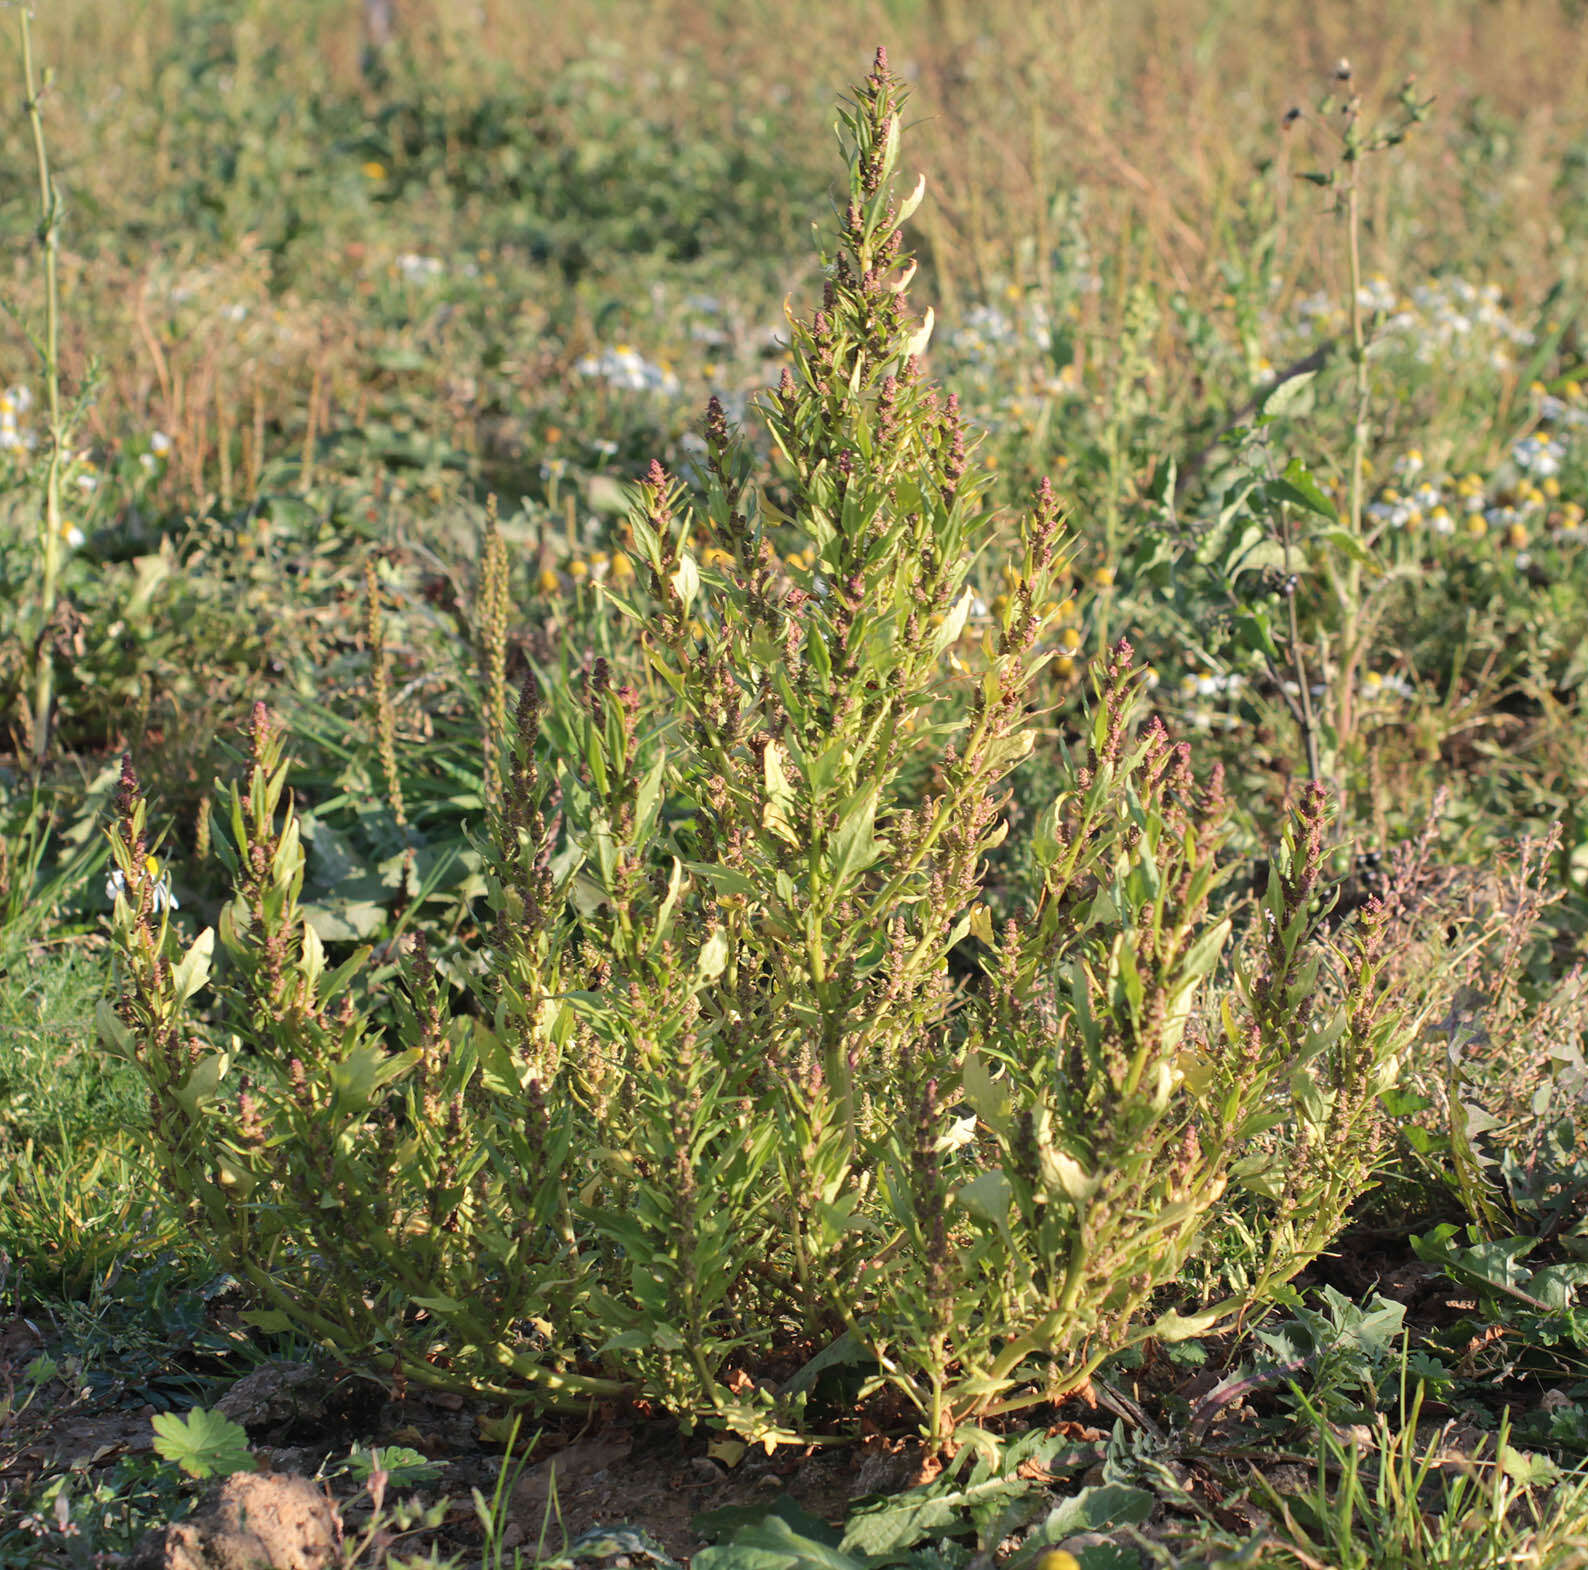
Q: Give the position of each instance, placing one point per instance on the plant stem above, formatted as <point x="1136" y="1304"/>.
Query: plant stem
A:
<point x="48" y="233"/>
<point x="1350" y="641"/>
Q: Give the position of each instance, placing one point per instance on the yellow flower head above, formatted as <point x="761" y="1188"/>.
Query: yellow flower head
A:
<point x="1057" y="1559"/>
<point x="374" y="170"/>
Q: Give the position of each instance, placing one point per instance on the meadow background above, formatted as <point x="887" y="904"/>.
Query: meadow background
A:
<point x="333" y="310"/>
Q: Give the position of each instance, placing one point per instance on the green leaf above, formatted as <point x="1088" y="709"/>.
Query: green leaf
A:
<point x="854" y="847"/>
<point x="953" y="623"/>
<point x="202" y="1082"/>
<point x="939" y="1509"/>
<point x="1095" y="1510"/>
<point x="1255" y="631"/>
<point x="725" y="879"/>
<point x="345" y="921"/>
<point x="646" y="798"/>
<point x="1297" y="486"/>
<point x="989" y="1098"/>
<point x="772" y="1544"/>
<point x="714" y="1525"/>
<point x="194" y="969"/>
<point x="112" y="1032"/>
<point x="713" y="958"/>
<point x="611" y="1543"/>
<point x="780" y="800"/>
<point x="1288" y="394"/>
<point x="845" y="1352"/>
<point x="203" y="1444"/>
<point x="364" y="1070"/>
<point x="403" y="1467"/>
<point x="987" y="1196"/>
<point x="686" y="580"/>
<point x="1344" y="540"/>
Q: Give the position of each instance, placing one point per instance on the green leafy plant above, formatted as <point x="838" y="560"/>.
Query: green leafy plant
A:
<point x="203" y="1443"/>
<point x="713" y="1106"/>
<point x="1405" y="1497"/>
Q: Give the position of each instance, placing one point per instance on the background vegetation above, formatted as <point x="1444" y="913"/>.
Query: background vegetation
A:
<point x="1297" y="340"/>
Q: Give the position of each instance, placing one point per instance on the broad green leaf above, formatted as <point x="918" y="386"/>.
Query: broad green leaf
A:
<point x="988" y="1197"/>
<point x="773" y="1544"/>
<point x="777" y="817"/>
<point x="404" y="1468"/>
<point x="713" y="959"/>
<point x="1066" y="1174"/>
<point x="988" y="1097"/>
<point x="939" y="1509"/>
<point x="203" y="1444"/>
<point x="194" y="969"/>
<point x="202" y="1082"/>
<point x="686" y="580"/>
<point x="1095" y="1510"/>
<point x="1297" y="486"/>
<point x="854" y="848"/>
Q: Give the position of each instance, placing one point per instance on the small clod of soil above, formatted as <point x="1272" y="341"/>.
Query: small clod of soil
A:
<point x="256" y="1521"/>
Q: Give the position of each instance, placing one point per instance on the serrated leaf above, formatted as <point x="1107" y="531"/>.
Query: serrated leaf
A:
<point x="203" y="1444"/>
<point x="404" y="1468"/>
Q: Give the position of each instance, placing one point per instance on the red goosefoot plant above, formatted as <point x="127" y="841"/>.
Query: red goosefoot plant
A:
<point x="715" y="1117"/>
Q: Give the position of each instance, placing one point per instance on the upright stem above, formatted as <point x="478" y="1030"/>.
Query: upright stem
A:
<point x="48" y="231"/>
<point x="1350" y="643"/>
